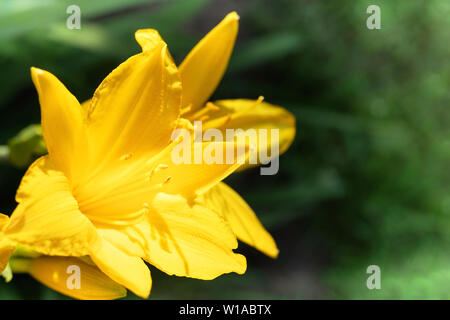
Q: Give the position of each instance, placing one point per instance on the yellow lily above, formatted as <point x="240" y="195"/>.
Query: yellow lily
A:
<point x="109" y="194"/>
<point x="200" y="73"/>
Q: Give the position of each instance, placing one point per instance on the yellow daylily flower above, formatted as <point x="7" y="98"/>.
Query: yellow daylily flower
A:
<point x="108" y="189"/>
<point x="108" y="197"/>
<point x="201" y="72"/>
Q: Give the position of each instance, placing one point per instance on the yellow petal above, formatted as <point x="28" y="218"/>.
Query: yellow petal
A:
<point x="203" y="68"/>
<point x="3" y="220"/>
<point x="243" y="221"/>
<point x="148" y="39"/>
<point x="119" y="238"/>
<point x="248" y="114"/>
<point x="62" y="122"/>
<point x="134" y="110"/>
<point x="86" y="104"/>
<point x="185" y="240"/>
<point x="6" y="246"/>
<point x="129" y="271"/>
<point x="56" y="273"/>
<point x="6" y="250"/>
<point x="47" y="218"/>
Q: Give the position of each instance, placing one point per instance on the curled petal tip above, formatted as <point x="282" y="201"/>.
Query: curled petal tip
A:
<point x="39" y="75"/>
<point x="148" y="39"/>
<point x="35" y="72"/>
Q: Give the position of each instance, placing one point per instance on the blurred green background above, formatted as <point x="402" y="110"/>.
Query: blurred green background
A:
<point x="365" y="181"/>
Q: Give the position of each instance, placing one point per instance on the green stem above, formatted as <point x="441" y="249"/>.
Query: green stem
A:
<point x="20" y="265"/>
<point x="4" y="154"/>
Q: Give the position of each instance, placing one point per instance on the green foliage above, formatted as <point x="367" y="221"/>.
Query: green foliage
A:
<point x="372" y="112"/>
<point x="26" y="146"/>
<point x="364" y="183"/>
